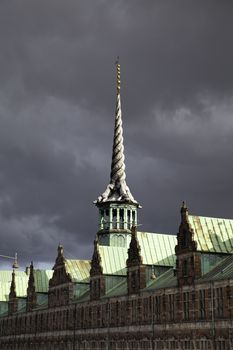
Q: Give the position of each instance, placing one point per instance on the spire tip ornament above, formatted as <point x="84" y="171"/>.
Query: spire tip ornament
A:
<point x="118" y="66"/>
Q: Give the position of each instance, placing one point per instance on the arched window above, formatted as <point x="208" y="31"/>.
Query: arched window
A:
<point x="121" y="241"/>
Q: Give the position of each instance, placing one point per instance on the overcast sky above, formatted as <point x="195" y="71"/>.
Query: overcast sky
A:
<point x="57" y="102"/>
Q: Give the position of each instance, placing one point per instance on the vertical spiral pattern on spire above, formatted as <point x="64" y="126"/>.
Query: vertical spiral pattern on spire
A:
<point x="117" y="190"/>
<point x="118" y="158"/>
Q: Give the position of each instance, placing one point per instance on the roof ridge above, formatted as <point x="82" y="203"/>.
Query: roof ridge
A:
<point x="210" y="217"/>
<point x="158" y="233"/>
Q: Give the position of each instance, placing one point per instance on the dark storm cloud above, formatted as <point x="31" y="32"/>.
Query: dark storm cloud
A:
<point x="57" y="97"/>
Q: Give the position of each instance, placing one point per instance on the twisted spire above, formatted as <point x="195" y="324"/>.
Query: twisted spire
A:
<point x="118" y="157"/>
<point x="118" y="75"/>
<point x="117" y="190"/>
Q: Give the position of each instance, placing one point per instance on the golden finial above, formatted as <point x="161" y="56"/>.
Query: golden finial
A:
<point x="118" y="74"/>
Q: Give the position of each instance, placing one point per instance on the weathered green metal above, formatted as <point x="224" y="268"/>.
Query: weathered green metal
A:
<point x="156" y="249"/>
<point x="21" y="280"/>
<point x="79" y="270"/>
<point x="166" y="280"/>
<point x="118" y="289"/>
<point x="212" y="234"/>
<point x="223" y="270"/>
<point x="42" y="278"/>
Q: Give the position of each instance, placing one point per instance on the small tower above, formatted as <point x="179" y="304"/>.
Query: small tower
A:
<point x="136" y="271"/>
<point x="188" y="260"/>
<point x="97" y="279"/>
<point x="117" y="207"/>
<point x="13" y="301"/>
<point x="31" y="290"/>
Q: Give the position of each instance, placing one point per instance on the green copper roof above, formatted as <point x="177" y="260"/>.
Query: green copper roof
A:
<point x="6" y="275"/>
<point x="42" y="278"/>
<point x="79" y="270"/>
<point x="21" y="288"/>
<point x="212" y="234"/>
<point x="21" y="280"/>
<point x="224" y="270"/>
<point x="118" y="289"/>
<point x="113" y="260"/>
<point x="156" y="249"/>
<point x="4" y="291"/>
<point x="166" y="280"/>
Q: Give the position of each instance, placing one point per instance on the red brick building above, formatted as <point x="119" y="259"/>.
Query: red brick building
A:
<point x="139" y="291"/>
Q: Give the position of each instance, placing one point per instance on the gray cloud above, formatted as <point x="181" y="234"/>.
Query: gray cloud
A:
<point x="57" y="97"/>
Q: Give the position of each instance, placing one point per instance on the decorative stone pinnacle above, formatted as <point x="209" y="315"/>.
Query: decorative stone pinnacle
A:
<point x="15" y="263"/>
<point x="31" y="270"/>
<point x="184" y="212"/>
<point x="60" y="249"/>
<point x="60" y="259"/>
<point x="31" y="290"/>
<point x="117" y="190"/>
<point x="134" y="251"/>
<point x="31" y="282"/>
<point x="96" y="265"/>
<point x="184" y="205"/>
<point x="13" y="286"/>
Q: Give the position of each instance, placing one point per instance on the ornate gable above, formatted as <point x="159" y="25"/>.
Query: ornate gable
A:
<point x="96" y="265"/>
<point x="185" y="236"/>
<point x="136" y="271"/>
<point x="188" y="262"/>
<point x="60" y="275"/>
<point x="60" y="285"/>
<point x="97" y="279"/>
<point x="134" y="251"/>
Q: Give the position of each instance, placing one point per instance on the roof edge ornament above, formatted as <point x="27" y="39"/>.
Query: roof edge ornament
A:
<point x="184" y="212"/>
<point x="117" y="190"/>
<point x="96" y="261"/>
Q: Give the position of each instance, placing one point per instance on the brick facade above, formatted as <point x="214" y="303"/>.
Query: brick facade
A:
<point x="190" y="317"/>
